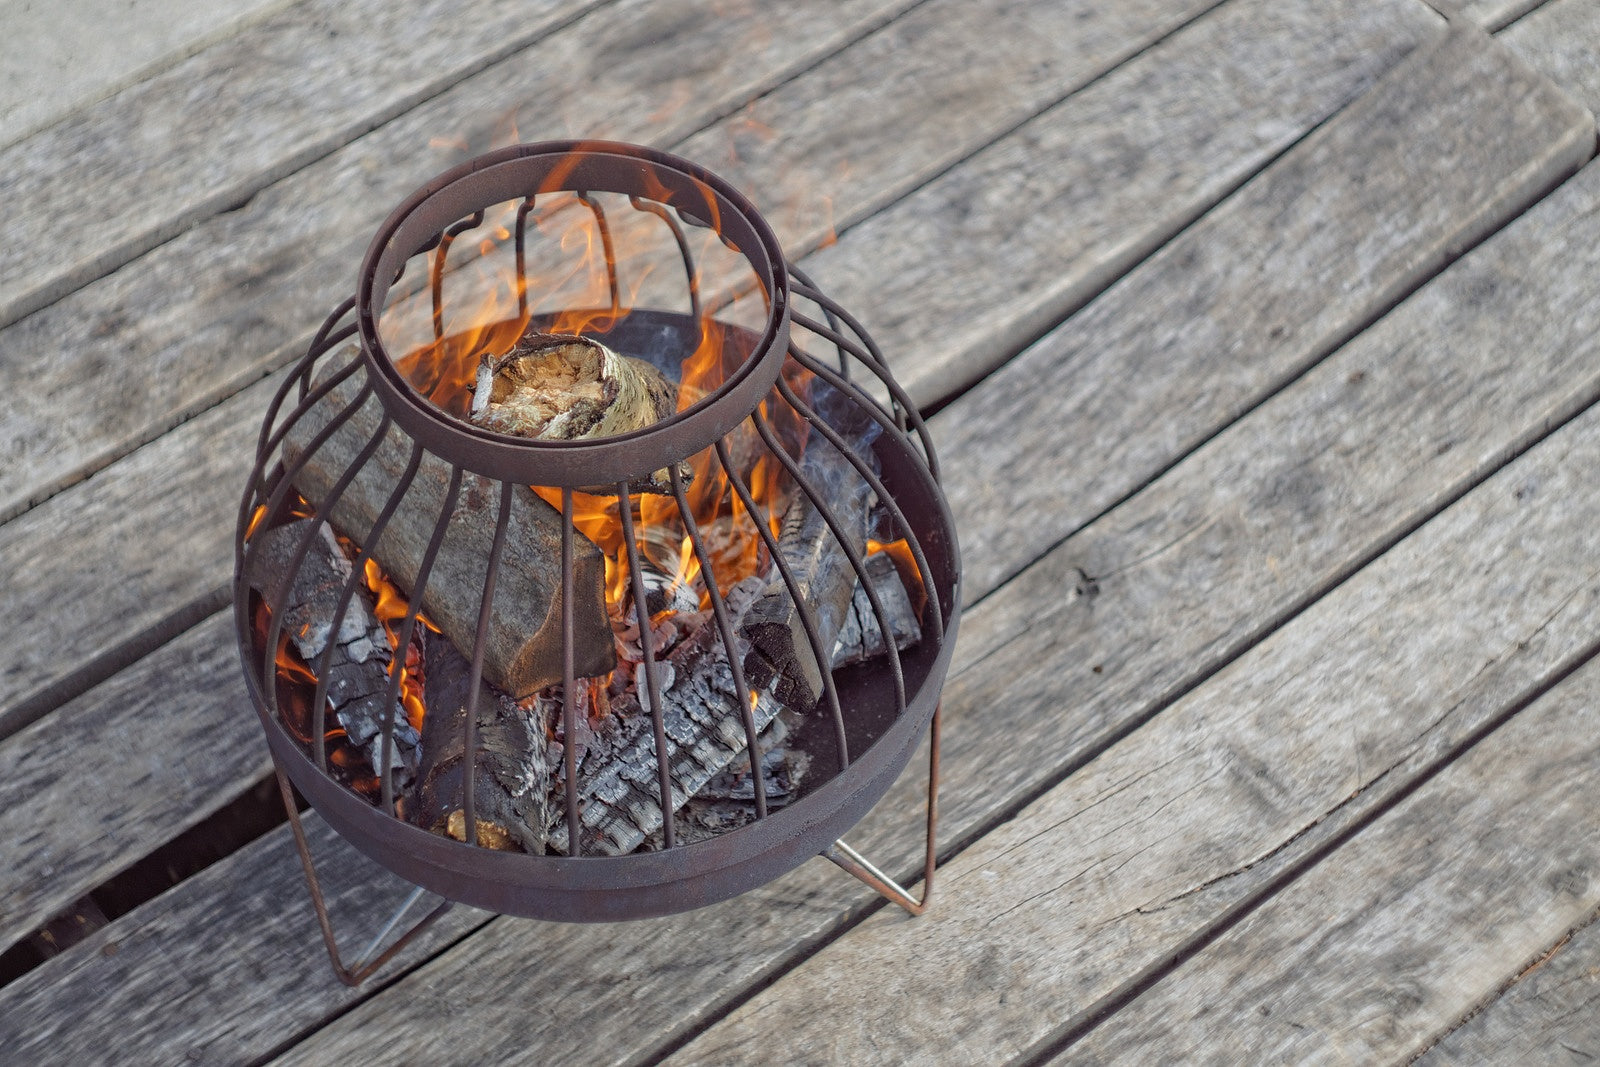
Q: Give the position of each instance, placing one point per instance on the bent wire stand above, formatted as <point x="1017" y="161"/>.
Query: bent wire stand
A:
<point x="903" y="475"/>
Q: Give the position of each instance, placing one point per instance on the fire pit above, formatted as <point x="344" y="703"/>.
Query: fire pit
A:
<point x="579" y="589"/>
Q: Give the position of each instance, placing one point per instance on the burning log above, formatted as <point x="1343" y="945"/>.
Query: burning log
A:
<point x="510" y="771"/>
<point x="523" y="653"/>
<point x="861" y="638"/>
<point x="781" y="652"/>
<point x="555" y="387"/>
<point x="358" y="671"/>
<point x="618" y="786"/>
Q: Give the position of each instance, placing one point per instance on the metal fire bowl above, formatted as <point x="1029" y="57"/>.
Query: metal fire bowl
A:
<point x="642" y="885"/>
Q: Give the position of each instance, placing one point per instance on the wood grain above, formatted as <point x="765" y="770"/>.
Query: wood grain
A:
<point x="1270" y="282"/>
<point x="1495" y="15"/>
<point x="1550" y="1013"/>
<point x="1037" y="224"/>
<point x="120" y="771"/>
<point x="1158" y="841"/>
<point x="217" y="306"/>
<point x="148" y="986"/>
<point x="47" y="657"/>
<point x="210" y="131"/>
<point x="1559" y="40"/>
<point x="1398" y="933"/>
<point x="1184" y="578"/>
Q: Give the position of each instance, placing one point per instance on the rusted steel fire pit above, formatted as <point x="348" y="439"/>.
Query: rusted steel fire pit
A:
<point x="579" y="590"/>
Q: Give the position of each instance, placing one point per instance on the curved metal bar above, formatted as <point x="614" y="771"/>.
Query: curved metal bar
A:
<point x="809" y="290"/>
<point x="719" y="611"/>
<point x="436" y="268"/>
<point x="403" y="639"/>
<point x="607" y="248"/>
<point x="833" y="309"/>
<point x="322" y="342"/>
<point x="641" y="612"/>
<point x="868" y="404"/>
<point x="904" y="407"/>
<point x="285" y="582"/>
<point x="346" y="595"/>
<point x="521" y="253"/>
<point x="857" y="563"/>
<point x="569" y="707"/>
<point x="690" y="274"/>
<point x="313" y="398"/>
<point x="319" y="707"/>
<point x="480" y="641"/>
<point x="808" y="620"/>
<point x="886" y="498"/>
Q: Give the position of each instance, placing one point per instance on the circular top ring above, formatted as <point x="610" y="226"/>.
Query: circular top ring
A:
<point x="577" y="166"/>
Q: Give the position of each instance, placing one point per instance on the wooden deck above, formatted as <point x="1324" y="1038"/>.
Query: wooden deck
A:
<point x="1263" y="350"/>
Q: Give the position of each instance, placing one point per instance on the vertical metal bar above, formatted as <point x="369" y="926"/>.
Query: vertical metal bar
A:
<point x="807" y="620"/>
<point x="886" y="498"/>
<point x="692" y="275"/>
<point x="436" y="273"/>
<point x="607" y="248"/>
<point x="569" y="706"/>
<point x="403" y="641"/>
<point x="469" y="741"/>
<point x="522" y="263"/>
<point x="641" y="612"/>
<point x="719" y="611"/>
<point x="856" y="562"/>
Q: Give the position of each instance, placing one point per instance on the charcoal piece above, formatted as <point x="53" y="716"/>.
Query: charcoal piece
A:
<point x="861" y="637"/>
<point x="509" y="772"/>
<point x="358" y="672"/>
<point x="523" y="653"/>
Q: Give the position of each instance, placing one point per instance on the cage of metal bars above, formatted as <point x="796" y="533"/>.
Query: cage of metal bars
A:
<point x="394" y="535"/>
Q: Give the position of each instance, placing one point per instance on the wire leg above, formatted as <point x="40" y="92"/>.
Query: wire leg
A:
<point x="858" y="865"/>
<point x="363" y="967"/>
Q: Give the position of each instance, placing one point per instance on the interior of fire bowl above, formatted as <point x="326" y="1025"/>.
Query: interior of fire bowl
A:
<point x="584" y="371"/>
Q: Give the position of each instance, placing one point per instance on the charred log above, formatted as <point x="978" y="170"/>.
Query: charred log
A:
<point x="861" y="636"/>
<point x="824" y="580"/>
<point x="509" y="778"/>
<point x="523" y="652"/>
<point x="618" y="785"/>
<point x="358" y="670"/>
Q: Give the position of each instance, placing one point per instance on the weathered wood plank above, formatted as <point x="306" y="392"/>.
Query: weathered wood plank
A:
<point x="1401" y="930"/>
<point x="1148" y="849"/>
<point x="1187" y="575"/>
<point x="1550" y="1013"/>
<point x="212" y="130"/>
<point x="146" y="985"/>
<point x="1078" y="196"/>
<point x="1494" y="15"/>
<point x="120" y="771"/>
<point x="189" y="323"/>
<point x="1194" y="48"/>
<point x="149" y="535"/>
<point x="1559" y="40"/>
<point x="64" y="58"/>
<point x="1267" y="284"/>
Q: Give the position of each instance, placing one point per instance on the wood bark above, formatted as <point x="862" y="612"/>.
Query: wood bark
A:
<point x="358" y="671"/>
<point x="861" y="636"/>
<point x="510" y="768"/>
<point x="523" y="653"/>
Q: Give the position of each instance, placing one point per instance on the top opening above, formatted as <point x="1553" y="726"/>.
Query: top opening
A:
<point x="563" y="313"/>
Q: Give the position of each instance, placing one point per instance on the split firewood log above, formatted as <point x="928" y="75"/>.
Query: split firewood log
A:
<point x="510" y="765"/>
<point x="523" y="653"/>
<point x="358" y="670"/>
